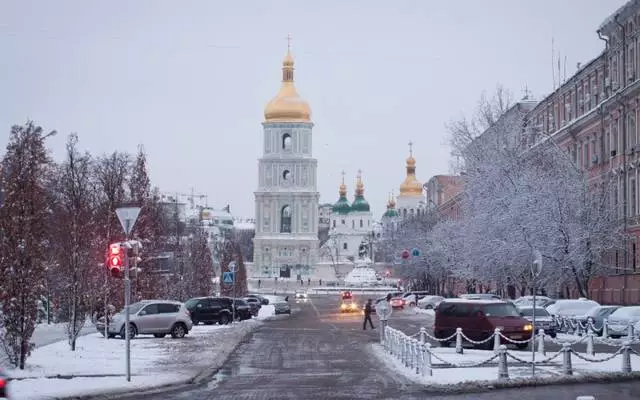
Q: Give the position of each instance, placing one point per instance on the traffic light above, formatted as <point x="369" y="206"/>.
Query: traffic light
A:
<point x="115" y="260"/>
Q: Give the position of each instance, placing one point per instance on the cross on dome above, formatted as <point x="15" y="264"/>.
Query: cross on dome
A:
<point x="289" y="43"/>
<point x="343" y="174"/>
<point x="411" y="148"/>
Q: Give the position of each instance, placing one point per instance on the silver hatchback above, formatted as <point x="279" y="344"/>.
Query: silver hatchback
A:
<point x="153" y="317"/>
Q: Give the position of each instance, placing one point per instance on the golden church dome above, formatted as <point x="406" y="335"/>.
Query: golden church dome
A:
<point x="411" y="186"/>
<point x="287" y="106"/>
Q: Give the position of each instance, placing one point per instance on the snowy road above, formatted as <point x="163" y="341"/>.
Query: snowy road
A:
<point x="320" y="354"/>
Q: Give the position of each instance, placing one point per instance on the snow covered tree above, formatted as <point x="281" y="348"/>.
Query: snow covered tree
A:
<point x="111" y="173"/>
<point x="75" y="237"/>
<point x="232" y="252"/>
<point x="199" y="266"/>
<point x="23" y="250"/>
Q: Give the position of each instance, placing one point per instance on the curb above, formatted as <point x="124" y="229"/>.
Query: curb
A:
<point x="469" y="387"/>
<point x="198" y="379"/>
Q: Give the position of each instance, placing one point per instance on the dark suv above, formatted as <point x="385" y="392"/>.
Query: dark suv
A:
<point x="210" y="310"/>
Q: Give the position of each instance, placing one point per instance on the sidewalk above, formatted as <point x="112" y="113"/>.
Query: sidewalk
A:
<point x="97" y="367"/>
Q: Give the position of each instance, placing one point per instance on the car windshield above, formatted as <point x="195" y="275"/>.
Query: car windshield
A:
<point x="501" y="310"/>
<point x="626" y="313"/>
<point x="240" y="302"/>
<point x="191" y="303"/>
<point x="540" y="312"/>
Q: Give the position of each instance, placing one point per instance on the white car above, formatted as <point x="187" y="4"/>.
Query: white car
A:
<point x="430" y="302"/>
<point x="620" y="320"/>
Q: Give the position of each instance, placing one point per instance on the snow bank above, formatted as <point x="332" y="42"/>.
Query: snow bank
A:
<point x="466" y="378"/>
<point x="98" y="364"/>
<point x="267" y="311"/>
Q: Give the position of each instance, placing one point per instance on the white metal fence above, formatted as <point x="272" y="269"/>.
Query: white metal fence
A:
<point x="417" y="354"/>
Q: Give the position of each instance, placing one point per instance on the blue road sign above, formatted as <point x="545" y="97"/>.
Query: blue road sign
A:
<point x="227" y="277"/>
<point x="415" y="253"/>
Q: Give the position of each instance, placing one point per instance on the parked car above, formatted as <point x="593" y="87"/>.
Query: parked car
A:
<point x="597" y="315"/>
<point x="243" y="310"/>
<point x="153" y="317"/>
<point x="620" y="319"/>
<point x="571" y="308"/>
<point x="280" y="304"/>
<point x="397" y="300"/>
<point x="430" y="302"/>
<point x="527" y="301"/>
<point x="254" y="305"/>
<point x="210" y="310"/>
<point x="544" y="320"/>
<point x="480" y="296"/>
<point x="263" y="300"/>
<point x="412" y="298"/>
<point x="479" y="319"/>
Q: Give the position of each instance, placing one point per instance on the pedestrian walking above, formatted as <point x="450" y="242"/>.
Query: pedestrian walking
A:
<point x="259" y="283"/>
<point x="309" y="282"/>
<point x="368" y="308"/>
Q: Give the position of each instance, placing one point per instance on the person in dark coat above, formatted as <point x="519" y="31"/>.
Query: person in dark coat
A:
<point x="368" y="308"/>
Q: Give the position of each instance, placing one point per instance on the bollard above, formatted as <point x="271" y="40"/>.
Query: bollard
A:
<point x="605" y="328"/>
<point x="403" y="350"/>
<point x="566" y="359"/>
<point x="407" y="351"/>
<point x="541" y="342"/>
<point x="626" y="357"/>
<point x="412" y="353"/>
<point x="426" y="365"/>
<point x="459" y="341"/>
<point x="392" y="341"/>
<point x="416" y="353"/>
<point x="630" y="331"/>
<point x="503" y="372"/>
<point x="590" y="350"/>
<point x="496" y="340"/>
<point x="423" y="335"/>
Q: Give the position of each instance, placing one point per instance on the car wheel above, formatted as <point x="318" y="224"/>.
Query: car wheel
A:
<point x="178" y="331"/>
<point x="132" y="332"/>
<point x="412" y="304"/>
<point x="429" y="307"/>
<point x="159" y="335"/>
<point x="224" y="319"/>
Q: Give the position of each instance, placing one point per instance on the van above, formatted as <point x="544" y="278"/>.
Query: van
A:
<point x="479" y="319"/>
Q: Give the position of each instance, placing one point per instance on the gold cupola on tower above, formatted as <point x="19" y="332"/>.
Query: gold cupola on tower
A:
<point x="287" y="106"/>
<point x="411" y="186"/>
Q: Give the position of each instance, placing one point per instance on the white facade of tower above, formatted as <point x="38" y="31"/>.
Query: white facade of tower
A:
<point x="286" y="228"/>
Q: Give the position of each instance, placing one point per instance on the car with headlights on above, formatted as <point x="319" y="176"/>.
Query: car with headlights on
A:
<point x="544" y="320"/>
<point x="349" y="307"/>
<point x="301" y="296"/>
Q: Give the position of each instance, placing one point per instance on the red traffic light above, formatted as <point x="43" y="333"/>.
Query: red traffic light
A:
<point x="405" y="254"/>
<point x="115" y="259"/>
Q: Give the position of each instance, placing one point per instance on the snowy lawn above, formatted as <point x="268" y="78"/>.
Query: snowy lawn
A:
<point x="418" y="310"/>
<point x="98" y="364"/>
<point x="447" y="376"/>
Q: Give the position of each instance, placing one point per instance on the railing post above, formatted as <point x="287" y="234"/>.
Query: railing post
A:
<point x="605" y="328"/>
<point x="626" y="357"/>
<point x="590" y="350"/>
<point x="541" y="342"/>
<point x="503" y="372"/>
<point x="459" y="340"/>
<point x="496" y="339"/>
<point x="403" y="349"/>
<point x="412" y="354"/>
<point x="426" y="367"/>
<point x="423" y="335"/>
<point x="416" y="354"/>
<point x="566" y="359"/>
<point x="630" y="332"/>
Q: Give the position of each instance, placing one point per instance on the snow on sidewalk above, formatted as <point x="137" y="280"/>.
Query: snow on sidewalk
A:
<point x="98" y="364"/>
<point x="449" y="376"/>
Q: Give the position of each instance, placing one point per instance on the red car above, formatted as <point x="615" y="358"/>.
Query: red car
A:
<point x="347" y="295"/>
<point x="4" y="381"/>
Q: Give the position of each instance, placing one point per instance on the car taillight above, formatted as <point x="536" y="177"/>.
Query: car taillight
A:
<point x="188" y="313"/>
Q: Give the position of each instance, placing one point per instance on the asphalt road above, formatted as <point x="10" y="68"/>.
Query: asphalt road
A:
<point x="319" y="353"/>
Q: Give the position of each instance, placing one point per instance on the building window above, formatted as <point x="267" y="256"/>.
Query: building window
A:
<point x="344" y="222"/>
<point x="285" y="219"/>
<point x="344" y="246"/>
<point x="286" y="141"/>
<point x="361" y="224"/>
<point x="353" y="224"/>
<point x="286" y="174"/>
<point x="334" y="223"/>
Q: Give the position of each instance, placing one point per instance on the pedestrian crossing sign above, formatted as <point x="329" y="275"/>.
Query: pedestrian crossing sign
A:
<point x="227" y="277"/>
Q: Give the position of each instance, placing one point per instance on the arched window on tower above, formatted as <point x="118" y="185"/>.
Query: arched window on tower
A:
<point x="286" y="142"/>
<point x="285" y="220"/>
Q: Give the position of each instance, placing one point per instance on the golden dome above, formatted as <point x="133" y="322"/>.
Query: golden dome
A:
<point x="343" y="187"/>
<point x="391" y="203"/>
<point x="411" y="186"/>
<point x="287" y="106"/>
<point x="359" y="184"/>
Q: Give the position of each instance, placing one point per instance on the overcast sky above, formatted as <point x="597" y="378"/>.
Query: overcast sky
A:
<point x="189" y="79"/>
